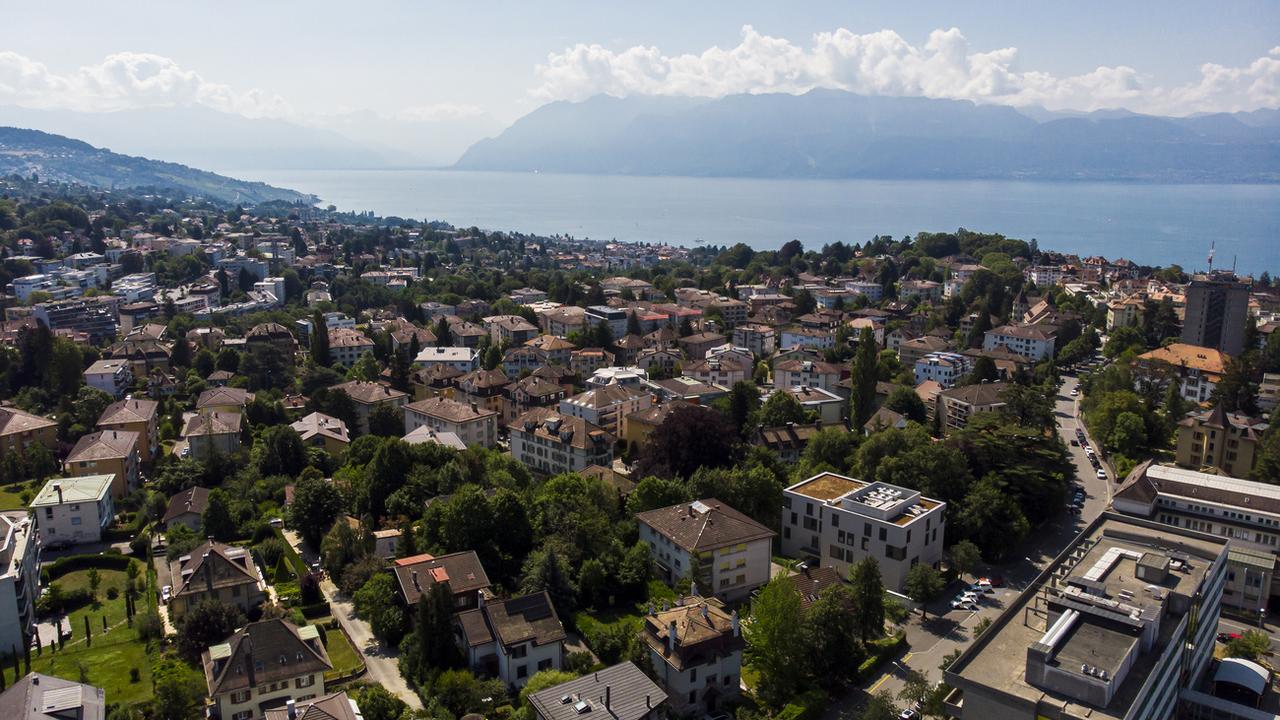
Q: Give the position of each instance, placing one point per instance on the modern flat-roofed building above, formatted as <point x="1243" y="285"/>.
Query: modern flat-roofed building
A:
<point x="615" y="318"/>
<point x="71" y="511"/>
<point x="944" y="368"/>
<point x="725" y="552"/>
<point x="113" y="376"/>
<point x="19" y="577"/>
<point x="1120" y="625"/>
<point x="840" y="520"/>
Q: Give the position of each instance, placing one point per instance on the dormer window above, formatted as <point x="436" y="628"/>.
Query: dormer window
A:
<point x="284" y="660"/>
<point x="300" y="655"/>
<point x="257" y="665"/>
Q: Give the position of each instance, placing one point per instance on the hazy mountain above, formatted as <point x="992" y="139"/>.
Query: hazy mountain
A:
<point x="829" y="133"/>
<point x="62" y="159"/>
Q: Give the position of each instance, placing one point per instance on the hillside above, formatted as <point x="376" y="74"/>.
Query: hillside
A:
<point x="63" y="159"/>
<point x="833" y="134"/>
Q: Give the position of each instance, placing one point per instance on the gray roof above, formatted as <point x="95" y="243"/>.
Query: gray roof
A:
<point x="42" y="697"/>
<point x="631" y="696"/>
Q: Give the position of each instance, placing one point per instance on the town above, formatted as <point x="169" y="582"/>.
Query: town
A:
<point x="284" y="462"/>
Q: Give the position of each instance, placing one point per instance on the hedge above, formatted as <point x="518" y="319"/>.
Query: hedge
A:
<point x="315" y="610"/>
<point x="881" y="651"/>
<point x="71" y="563"/>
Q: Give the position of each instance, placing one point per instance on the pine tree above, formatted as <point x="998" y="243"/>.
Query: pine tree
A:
<point x="868" y="590"/>
<point x="88" y="633"/>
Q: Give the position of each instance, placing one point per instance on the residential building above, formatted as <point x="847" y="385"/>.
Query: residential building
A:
<point x="620" y="692"/>
<point x="347" y="345"/>
<point x="688" y="389"/>
<point x="138" y="416"/>
<point x="370" y="395"/>
<point x="224" y="400"/>
<point x="555" y="349"/>
<point x="1196" y="370"/>
<point x="809" y="338"/>
<point x="726" y="369"/>
<point x="789" y="441"/>
<point x="271" y="335"/>
<point x="564" y="320"/>
<point x="944" y="368"/>
<point x="486" y="389"/>
<point x="1219" y="440"/>
<point x="386" y="543"/>
<point x="1032" y="341"/>
<point x="19" y="429"/>
<point x="761" y="340"/>
<point x="695" y="649"/>
<point x="215" y="571"/>
<point x="1121" y="624"/>
<point x="639" y="425"/>
<point x="513" y="639"/>
<point x="615" y="318"/>
<point x="73" y="511"/>
<point x="209" y="432"/>
<point x="323" y="431"/>
<point x="839" y="520"/>
<point x="19" y="577"/>
<point x="187" y="508"/>
<point x="263" y="666"/>
<point x="926" y="290"/>
<point x="425" y="435"/>
<point x="107" y="452"/>
<point x="474" y="425"/>
<point x="826" y="406"/>
<point x="1217" y="307"/>
<point x="462" y="570"/>
<point x="586" y="361"/>
<point x="522" y="360"/>
<point x="798" y="372"/>
<point x="659" y="360"/>
<point x="957" y="405"/>
<point x="606" y="407"/>
<point x="1126" y="312"/>
<point x="550" y="442"/>
<point x="882" y="419"/>
<point x="696" y="346"/>
<point x="912" y="351"/>
<point x="44" y="697"/>
<point x="530" y="392"/>
<point x="338" y="706"/>
<point x="96" y="317"/>
<point x="722" y="550"/>
<point x="113" y="376"/>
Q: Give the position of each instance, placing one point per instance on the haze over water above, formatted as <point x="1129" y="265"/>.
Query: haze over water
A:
<point x="1147" y="223"/>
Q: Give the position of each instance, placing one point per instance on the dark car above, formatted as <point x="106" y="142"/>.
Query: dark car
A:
<point x="1228" y="637"/>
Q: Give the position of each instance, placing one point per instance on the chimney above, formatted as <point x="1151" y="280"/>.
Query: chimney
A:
<point x="646" y="702"/>
<point x="671" y="637"/>
<point x="58" y="488"/>
<point x="733" y="621"/>
<point x="608" y="697"/>
<point x="208" y="572"/>
<point x="292" y="709"/>
<point x="414" y="574"/>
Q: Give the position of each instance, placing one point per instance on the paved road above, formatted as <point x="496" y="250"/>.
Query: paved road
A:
<point x="382" y="662"/>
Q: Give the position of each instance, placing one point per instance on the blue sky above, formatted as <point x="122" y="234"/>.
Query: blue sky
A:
<point x="430" y="78"/>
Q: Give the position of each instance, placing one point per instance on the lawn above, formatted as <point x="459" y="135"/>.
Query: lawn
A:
<point x="11" y="494"/>
<point x="112" y="609"/>
<point x="107" y="663"/>
<point x="341" y="654"/>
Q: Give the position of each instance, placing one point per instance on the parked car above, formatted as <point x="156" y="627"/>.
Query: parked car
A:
<point x="1075" y="443"/>
<point x="963" y="603"/>
<point x="908" y="714"/>
<point x="982" y="585"/>
<point x="165" y="593"/>
<point x="1102" y="474"/>
<point x="1228" y="637"/>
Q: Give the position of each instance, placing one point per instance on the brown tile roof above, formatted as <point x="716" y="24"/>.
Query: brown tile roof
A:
<point x="213" y="563"/>
<point x="211" y="423"/>
<point x="810" y="583"/>
<point x="551" y="424"/>
<point x="323" y="425"/>
<point x="979" y="394"/>
<point x="1195" y="357"/>
<point x="348" y="337"/>
<point x="530" y="618"/>
<point x="704" y="525"/>
<point x="14" y="420"/>
<point x="329" y="707"/>
<point x="104" y="445"/>
<point x="788" y="437"/>
<point x="266" y="642"/>
<point x="224" y="396"/>
<point x="702" y="630"/>
<point x="550" y="343"/>
<point x="484" y="379"/>
<point x="363" y="391"/>
<point x="194" y="500"/>
<point x="448" y="409"/>
<point x="462" y="570"/>
<point x="123" y="412"/>
<point x="1030" y="332"/>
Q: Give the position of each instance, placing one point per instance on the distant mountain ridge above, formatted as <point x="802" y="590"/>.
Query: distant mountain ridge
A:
<point x="836" y="134"/>
<point x="64" y="159"/>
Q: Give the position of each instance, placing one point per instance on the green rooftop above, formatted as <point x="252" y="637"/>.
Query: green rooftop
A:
<point x="89" y="488"/>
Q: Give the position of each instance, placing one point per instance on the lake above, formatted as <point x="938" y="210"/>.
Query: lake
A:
<point x="1150" y="224"/>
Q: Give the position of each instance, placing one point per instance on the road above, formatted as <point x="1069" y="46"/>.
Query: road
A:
<point x="947" y="630"/>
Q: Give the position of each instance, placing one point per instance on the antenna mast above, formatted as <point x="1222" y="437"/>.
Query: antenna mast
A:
<point x="1212" y="246"/>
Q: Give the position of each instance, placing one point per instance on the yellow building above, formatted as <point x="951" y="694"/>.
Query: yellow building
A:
<point x="107" y="452"/>
<point x="139" y="416"/>
<point x="1226" y="442"/>
<point x="323" y="431"/>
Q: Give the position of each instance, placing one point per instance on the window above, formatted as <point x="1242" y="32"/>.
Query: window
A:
<point x="544" y="664"/>
<point x="243" y="715"/>
<point x="522" y="671"/>
<point x="307" y="681"/>
<point x="693" y="675"/>
<point x="693" y="697"/>
<point x="257" y="665"/>
<point x="884" y="534"/>
<point x="835" y="520"/>
<point x="240" y="696"/>
<point x="284" y="660"/>
<point x="864" y="544"/>
<point x="740" y="579"/>
<point x="728" y="680"/>
<point x="76" y="520"/>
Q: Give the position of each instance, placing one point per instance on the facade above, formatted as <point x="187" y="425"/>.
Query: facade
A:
<point x="944" y="368"/>
<point x="462" y="570"/>
<point x="485" y="389"/>
<point x="263" y="666"/>
<point x="825" y="405"/>
<point x="138" y="416"/>
<point x="514" y="639"/>
<point x="72" y="511"/>
<point x="112" y="376"/>
<point x="474" y="425"/>
<point x="20" y="429"/>
<point x="1215" y="438"/>
<point x="622" y="692"/>
<point x="722" y="550"/>
<point x="338" y="706"/>
<point x="1217" y="307"/>
<point x="840" y="520"/>
<point x="607" y="407"/>
<point x="761" y="340"/>
<point x="347" y="345"/>
<point x="956" y="405"/>
<point x="214" y="571"/>
<point x="808" y="373"/>
<point x="19" y="577"/>
<point x="913" y="350"/>
<point x="550" y="442"/>
<point x="695" y="649"/>
<point x="113" y="452"/>
<point x="788" y="441"/>
<point x="224" y="399"/>
<point x="1195" y="370"/>
<point x="209" y="432"/>
<point x="1030" y="341"/>
<point x="323" y="431"/>
<point x="615" y="318"/>
<point x="370" y="395"/>
<point x="1117" y="626"/>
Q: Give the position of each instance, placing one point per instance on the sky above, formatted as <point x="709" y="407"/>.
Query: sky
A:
<point x="490" y="63"/>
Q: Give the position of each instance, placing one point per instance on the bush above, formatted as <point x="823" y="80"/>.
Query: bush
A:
<point x="148" y="626"/>
<point x="58" y="602"/>
<point x="272" y="551"/>
<point x="113" y="593"/>
<point x="879" y="651"/>
<point x="139" y="544"/>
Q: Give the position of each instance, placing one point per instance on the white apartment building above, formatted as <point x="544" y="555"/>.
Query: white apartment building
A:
<point x="72" y="511"/>
<point x="840" y="520"/>
<point x="19" y="577"/>
<point x="1030" y="341"/>
<point x="462" y="359"/>
<point x="806" y="373"/>
<point x="944" y="368"/>
<point x="1046" y="276"/>
<point x="514" y="639"/>
<point x="474" y="425"/>
<point x="724" y="552"/>
<point x="873" y="291"/>
<point x="550" y="442"/>
<point x="112" y="376"/>
<point x="761" y="340"/>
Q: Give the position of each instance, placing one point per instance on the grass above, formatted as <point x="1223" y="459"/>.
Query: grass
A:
<point x="341" y="654"/>
<point x="112" y="609"/>
<point x="11" y="494"/>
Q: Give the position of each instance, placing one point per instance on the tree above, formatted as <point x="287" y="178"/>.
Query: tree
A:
<point x="95" y="581"/>
<point x="178" y="690"/>
<point x="205" y="623"/>
<point x="654" y="492"/>
<point x="544" y="570"/>
<point x="377" y="703"/>
<point x="1251" y="645"/>
<point x="868" y="597"/>
<point x="965" y="556"/>
<point x="774" y="648"/>
<point x="744" y="400"/>
<point x="905" y="402"/>
<point x="315" y="506"/>
<point x="1029" y="406"/>
<point x="180" y="357"/>
<point x="831" y="635"/>
<point x="923" y="584"/>
<point x="1237" y="391"/>
<point x="385" y="421"/>
<point x="228" y="360"/>
<point x="377" y="602"/>
<point x="879" y="707"/>
<point x="984" y="370"/>
<point x="992" y="519"/>
<point x="862" y="396"/>
<point x="1128" y="435"/>
<point x="344" y="546"/>
<point x="433" y="631"/>
<point x="1267" y="467"/>
<point x="320" y="340"/>
<point x="781" y="408"/>
<point x="831" y="448"/>
<point x="280" y="451"/>
<point x="216" y="521"/>
<point x="689" y="438"/>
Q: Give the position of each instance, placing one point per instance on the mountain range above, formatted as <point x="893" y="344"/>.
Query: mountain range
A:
<point x="836" y="134"/>
<point x="54" y="157"/>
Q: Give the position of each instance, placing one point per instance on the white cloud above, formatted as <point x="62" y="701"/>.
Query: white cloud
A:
<point x="883" y="63"/>
<point x="126" y="80"/>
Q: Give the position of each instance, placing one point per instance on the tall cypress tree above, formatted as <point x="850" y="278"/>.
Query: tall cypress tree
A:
<point x="320" y="340"/>
<point x="862" y="399"/>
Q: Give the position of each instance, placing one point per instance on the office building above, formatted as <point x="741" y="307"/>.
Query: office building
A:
<point x="1217" y="307"/>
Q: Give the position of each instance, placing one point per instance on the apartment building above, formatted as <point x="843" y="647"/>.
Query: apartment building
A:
<point x="726" y="553"/>
<point x="265" y="664"/>
<point x="1217" y="308"/>
<point x="761" y="340"/>
<point x="348" y="345"/>
<point x="1195" y="370"/>
<point x="513" y="639"/>
<point x="1119" y="625"/>
<point x="1217" y="439"/>
<point x="944" y="368"/>
<point x="606" y="407"/>
<point x="113" y="376"/>
<point x="19" y="577"/>
<point x="828" y="407"/>
<point x="796" y="372"/>
<point x="73" y="511"/>
<point x="916" y="349"/>
<point x="550" y="442"/>
<point x="695" y="648"/>
<point x="19" y="429"/>
<point x="622" y="692"/>
<point x="369" y="395"/>
<point x="96" y="317"/>
<point x="209" y="432"/>
<point x="486" y="389"/>
<point x="224" y="400"/>
<point x="956" y="405"/>
<point x="107" y="452"/>
<point x="1032" y="341"/>
<point x="216" y="571"/>
<point x="137" y="416"/>
<point x="615" y="318"/>
<point x="474" y="425"/>
<point x="323" y="431"/>
<point x="839" y="520"/>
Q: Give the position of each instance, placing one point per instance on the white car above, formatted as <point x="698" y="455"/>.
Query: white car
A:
<point x="165" y="593"/>
<point x="1102" y="474"/>
<point x="981" y="587"/>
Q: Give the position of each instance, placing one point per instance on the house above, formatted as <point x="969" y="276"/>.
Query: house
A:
<point x="659" y="360"/>
<point x="484" y="388"/>
<point x="912" y="351"/>
<point x="262" y="666"/>
<point x="587" y="360"/>
<point x="386" y="543"/>
<point x="724" y="551"/>
<point x="435" y="381"/>
<point x="474" y="425"/>
<point x="73" y="511"/>
<point x="138" y="416"/>
<point x="809" y="373"/>
<point x="696" y="346"/>
<point x="839" y="520"/>
<point x="368" y="396"/>
<point x="19" y="577"/>
<point x="224" y="400"/>
<point x="19" y="429"/>
<point x="44" y="697"/>
<point x="272" y="335"/>
<point x="338" y="706"/>
<point x="215" y="571"/>
<point x="724" y="370"/>
<point x="883" y="419"/>
<point x="467" y="580"/>
<point x="107" y="452"/>
<point x="1196" y="370"/>
<point x="564" y="320"/>
<point x="957" y="405"/>
<point x="523" y="359"/>
<point x="209" y="433"/>
<point x="550" y="443"/>
<point x="695" y="649"/>
<point x="462" y="359"/>
<point x="510" y="330"/>
<point x="628" y="348"/>
<point x="1215" y="438"/>
<point x="555" y="349"/>
<point x="810" y="582"/>
<point x="789" y="441"/>
<point x="111" y="376"/>
<point x="187" y="508"/>
<point x="1033" y="341"/>
<point x="620" y="692"/>
<point x="825" y="405"/>
<point x="348" y="345"/>
<point x="606" y="407"/>
<point x="514" y="639"/>
<point x="944" y="368"/>
<point x="531" y="392"/>
<point x="143" y="354"/>
<point x="425" y="435"/>
<point x="323" y="431"/>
